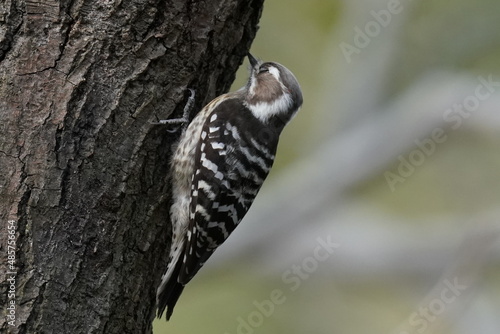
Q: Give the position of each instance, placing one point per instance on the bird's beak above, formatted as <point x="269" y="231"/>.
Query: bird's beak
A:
<point x="253" y="61"/>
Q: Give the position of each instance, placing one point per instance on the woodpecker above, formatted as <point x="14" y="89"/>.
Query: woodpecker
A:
<point x="221" y="160"/>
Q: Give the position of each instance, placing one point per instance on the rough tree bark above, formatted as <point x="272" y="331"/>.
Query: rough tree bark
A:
<point x="84" y="174"/>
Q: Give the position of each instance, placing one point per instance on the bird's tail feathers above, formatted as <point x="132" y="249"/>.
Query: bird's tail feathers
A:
<point x="170" y="289"/>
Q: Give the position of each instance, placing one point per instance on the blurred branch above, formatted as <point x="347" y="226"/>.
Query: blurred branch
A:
<point x="366" y="73"/>
<point x="447" y="302"/>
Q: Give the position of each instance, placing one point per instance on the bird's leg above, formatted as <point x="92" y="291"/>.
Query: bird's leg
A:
<point x="184" y="120"/>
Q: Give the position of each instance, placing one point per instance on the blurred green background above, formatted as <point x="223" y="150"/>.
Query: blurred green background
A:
<point x="394" y="159"/>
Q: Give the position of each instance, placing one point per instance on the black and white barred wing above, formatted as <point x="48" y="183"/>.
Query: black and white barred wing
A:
<point x="231" y="169"/>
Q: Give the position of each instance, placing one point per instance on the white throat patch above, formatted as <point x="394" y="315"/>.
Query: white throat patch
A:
<point x="264" y="110"/>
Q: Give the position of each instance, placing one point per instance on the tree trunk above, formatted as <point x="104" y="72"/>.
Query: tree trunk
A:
<point x="84" y="178"/>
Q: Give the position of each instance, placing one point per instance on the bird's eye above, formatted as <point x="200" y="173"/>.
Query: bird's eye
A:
<point x="263" y="69"/>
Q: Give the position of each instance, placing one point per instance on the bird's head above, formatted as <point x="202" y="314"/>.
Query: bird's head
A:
<point x="272" y="92"/>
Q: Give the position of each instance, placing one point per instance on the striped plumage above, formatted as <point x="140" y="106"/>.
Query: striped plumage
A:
<point x="220" y="163"/>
